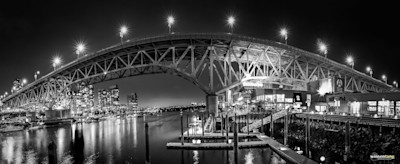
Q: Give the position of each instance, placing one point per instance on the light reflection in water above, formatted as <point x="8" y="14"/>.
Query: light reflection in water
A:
<point x="134" y="132"/>
<point x="8" y="147"/>
<point x="39" y="138"/>
<point x="195" y="157"/>
<point x="73" y="127"/>
<point x="60" y="142"/>
<point x="249" y="157"/>
<point x="118" y="138"/>
<point x="117" y="141"/>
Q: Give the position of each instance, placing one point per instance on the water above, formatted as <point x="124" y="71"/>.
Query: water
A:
<point x="118" y="141"/>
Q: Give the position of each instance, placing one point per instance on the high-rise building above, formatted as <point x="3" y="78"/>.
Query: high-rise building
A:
<point x="114" y="91"/>
<point x="108" y="98"/>
<point x="133" y="102"/>
<point x="83" y="97"/>
<point x="103" y="98"/>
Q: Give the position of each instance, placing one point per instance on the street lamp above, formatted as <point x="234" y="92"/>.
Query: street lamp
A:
<point x="323" y="48"/>
<point x="24" y="81"/>
<point x="284" y="34"/>
<point x="56" y="61"/>
<point x="122" y="32"/>
<point x="80" y="47"/>
<point x="231" y="21"/>
<point x="36" y="74"/>
<point x="170" y="21"/>
<point x="384" y="78"/>
<point x="322" y="158"/>
<point x="369" y="70"/>
<point x="395" y="84"/>
<point x="350" y="61"/>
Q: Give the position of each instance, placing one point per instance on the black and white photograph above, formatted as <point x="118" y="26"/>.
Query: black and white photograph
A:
<point x="199" y="82"/>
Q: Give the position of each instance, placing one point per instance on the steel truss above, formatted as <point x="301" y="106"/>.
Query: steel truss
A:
<point x="212" y="62"/>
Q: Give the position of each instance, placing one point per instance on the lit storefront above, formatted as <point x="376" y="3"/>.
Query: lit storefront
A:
<point x="381" y="104"/>
<point x="279" y="100"/>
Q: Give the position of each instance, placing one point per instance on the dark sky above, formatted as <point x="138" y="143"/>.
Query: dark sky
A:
<point x="32" y="32"/>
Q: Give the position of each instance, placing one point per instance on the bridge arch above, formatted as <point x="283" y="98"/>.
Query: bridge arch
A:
<point x="213" y="62"/>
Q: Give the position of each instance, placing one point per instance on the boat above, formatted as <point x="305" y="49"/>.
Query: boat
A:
<point x="53" y="122"/>
<point x="92" y="119"/>
<point x="11" y="128"/>
<point x="34" y="126"/>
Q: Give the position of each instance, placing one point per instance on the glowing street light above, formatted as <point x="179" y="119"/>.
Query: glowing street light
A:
<point x="80" y="48"/>
<point x="36" y="74"/>
<point x="323" y="48"/>
<point x="284" y="34"/>
<point x="395" y="84"/>
<point x="322" y="158"/>
<point x="24" y="81"/>
<point x="56" y="61"/>
<point x="231" y="21"/>
<point x="384" y="78"/>
<point x="123" y="31"/>
<point x="170" y="21"/>
<point x="350" y="61"/>
<point x="369" y="70"/>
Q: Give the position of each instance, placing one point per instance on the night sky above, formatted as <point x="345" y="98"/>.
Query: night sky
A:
<point x="32" y="32"/>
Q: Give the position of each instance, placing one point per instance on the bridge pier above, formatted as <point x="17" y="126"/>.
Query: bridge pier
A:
<point x="212" y="104"/>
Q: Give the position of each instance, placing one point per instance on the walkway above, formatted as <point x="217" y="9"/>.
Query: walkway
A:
<point x="387" y="122"/>
<point x="284" y="152"/>
<point x="265" y="121"/>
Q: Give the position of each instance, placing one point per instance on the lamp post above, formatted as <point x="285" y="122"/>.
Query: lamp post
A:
<point x="56" y="61"/>
<point x="395" y="84"/>
<point x="79" y="48"/>
<point x="122" y="32"/>
<point x="36" y="74"/>
<point x="323" y="48"/>
<point x="350" y="61"/>
<point x="231" y="21"/>
<point x="284" y="34"/>
<point x="369" y="70"/>
<point x="24" y="81"/>
<point x="384" y="78"/>
<point x="322" y="159"/>
<point x="170" y="21"/>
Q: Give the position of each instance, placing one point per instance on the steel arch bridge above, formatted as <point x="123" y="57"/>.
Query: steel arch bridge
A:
<point x="215" y="63"/>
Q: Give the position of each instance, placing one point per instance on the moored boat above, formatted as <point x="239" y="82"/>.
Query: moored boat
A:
<point x="11" y="128"/>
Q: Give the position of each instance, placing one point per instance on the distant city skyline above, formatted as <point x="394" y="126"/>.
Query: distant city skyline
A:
<point x="152" y="92"/>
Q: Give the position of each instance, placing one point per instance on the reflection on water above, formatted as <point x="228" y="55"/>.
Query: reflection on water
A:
<point x="249" y="157"/>
<point x="118" y="141"/>
<point x="195" y="157"/>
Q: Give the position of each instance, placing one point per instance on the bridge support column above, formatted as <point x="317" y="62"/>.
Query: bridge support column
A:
<point x="212" y="104"/>
<point x="228" y="98"/>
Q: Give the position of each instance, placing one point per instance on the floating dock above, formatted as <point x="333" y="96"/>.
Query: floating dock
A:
<point x="209" y="146"/>
<point x="217" y="136"/>
<point x="283" y="151"/>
